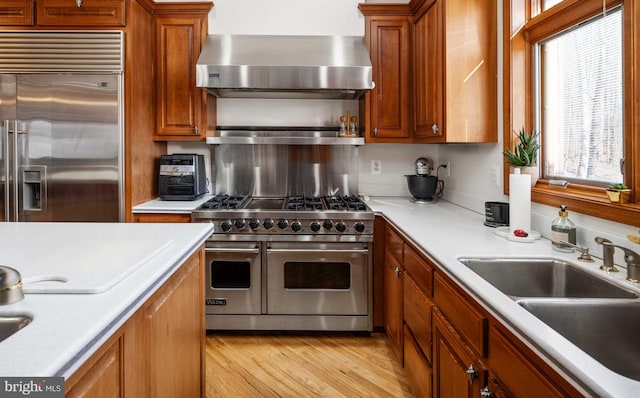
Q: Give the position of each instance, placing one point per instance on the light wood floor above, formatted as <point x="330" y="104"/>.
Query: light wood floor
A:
<point x="310" y="364"/>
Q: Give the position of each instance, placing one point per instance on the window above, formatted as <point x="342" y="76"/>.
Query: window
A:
<point x="568" y="72"/>
<point x="580" y="109"/>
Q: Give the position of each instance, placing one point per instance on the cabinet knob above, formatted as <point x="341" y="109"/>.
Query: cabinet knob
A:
<point x="471" y="374"/>
<point x="397" y="272"/>
<point x="195" y="130"/>
<point x="375" y="131"/>
<point x="79" y="3"/>
<point x="434" y="128"/>
<point x="486" y="393"/>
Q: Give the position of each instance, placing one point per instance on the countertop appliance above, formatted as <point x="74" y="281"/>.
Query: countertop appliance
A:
<point x="61" y="126"/>
<point x="288" y="263"/>
<point x="265" y="66"/>
<point x="182" y="176"/>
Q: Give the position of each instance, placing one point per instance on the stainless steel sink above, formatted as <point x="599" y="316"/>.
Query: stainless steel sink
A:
<point x="11" y="324"/>
<point x="606" y="330"/>
<point x="543" y="277"/>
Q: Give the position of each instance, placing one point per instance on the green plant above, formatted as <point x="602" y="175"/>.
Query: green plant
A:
<point x="618" y="187"/>
<point x="525" y="152"/>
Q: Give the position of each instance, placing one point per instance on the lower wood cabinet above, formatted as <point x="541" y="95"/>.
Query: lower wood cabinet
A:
<point x="416" y="366"/>
<point x="159" y="351"/>
<point x="393" y="296"/>
<point x="457" y="371"/>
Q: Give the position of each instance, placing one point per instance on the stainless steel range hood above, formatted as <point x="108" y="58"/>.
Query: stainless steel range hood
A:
<point x="292" y="67"/>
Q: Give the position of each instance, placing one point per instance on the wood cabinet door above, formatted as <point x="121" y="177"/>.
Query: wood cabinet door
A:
<point x="175" y="330"/>
<point x="390" y="98"/>
<point x="393" y="299"/>
<point x="162" y="218"/>
<point x="81" y="12"/>
<point x="457" y="372"/>
<point x="16" y="12"/>
<point x="416" y="366"/>
<point x="101" y="375"/>
<point x="180" y="104"/>
<point x="428" y="79"/>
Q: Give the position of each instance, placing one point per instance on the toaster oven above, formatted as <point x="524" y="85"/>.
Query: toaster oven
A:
<point x="182" y="177"/>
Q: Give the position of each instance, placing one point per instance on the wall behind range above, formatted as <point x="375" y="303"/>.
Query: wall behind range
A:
<point x="473" y="166"/>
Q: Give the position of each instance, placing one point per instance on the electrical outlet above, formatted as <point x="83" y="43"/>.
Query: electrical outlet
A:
<point x="376" y="166"/>
<point x="446" y="170"/>
<point x="495" y="172"/>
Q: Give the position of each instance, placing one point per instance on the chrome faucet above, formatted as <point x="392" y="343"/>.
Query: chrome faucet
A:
<point x="630" y="257"/>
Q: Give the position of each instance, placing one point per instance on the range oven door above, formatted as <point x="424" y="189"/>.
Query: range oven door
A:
<point x="233" y="278"/>
<point x="306" y="278"/>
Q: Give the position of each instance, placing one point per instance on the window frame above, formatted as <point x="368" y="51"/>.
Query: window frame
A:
<point x="520" y="30"/>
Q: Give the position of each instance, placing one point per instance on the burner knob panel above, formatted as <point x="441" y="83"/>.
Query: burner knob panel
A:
<point x="315" y="226"/>
<point x="340" y="226"/>
<point x="359" y="226"/>
<point x="226" y="226"/>
<point x="268" y="223"/>
<point x="240" y="223"/>
<point x="282" y="224"/>
<point x="296" y="226"/>
<point x="254" y="224"/>
<point x="327" y="224"/>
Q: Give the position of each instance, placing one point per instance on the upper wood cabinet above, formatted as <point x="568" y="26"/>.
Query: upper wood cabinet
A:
<point x="438" y="83"/>
<point x="388" y="102"/>
<point x="80" y="12"/>
<point x="455" y="67"/>
<point x="180" y="106"/>
<point x="17" y="12"/>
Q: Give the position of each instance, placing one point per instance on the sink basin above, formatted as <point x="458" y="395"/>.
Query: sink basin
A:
<point x="11" y="324"/>
<point x="607" y="331"/>
<point x="542" y="277"/>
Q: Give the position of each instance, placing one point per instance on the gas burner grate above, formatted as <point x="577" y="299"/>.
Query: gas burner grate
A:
<point x="347" y="202"/>
<point x="304" y="203"/>
<point x="224" y="202"/>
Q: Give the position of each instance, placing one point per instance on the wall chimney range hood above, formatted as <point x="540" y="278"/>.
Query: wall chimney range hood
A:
<point x="288" y="67"/>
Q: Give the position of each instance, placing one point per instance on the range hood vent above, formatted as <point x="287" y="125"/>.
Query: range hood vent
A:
<point x="289" y="67"/>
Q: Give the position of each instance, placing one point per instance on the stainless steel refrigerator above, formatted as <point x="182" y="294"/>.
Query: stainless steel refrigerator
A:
<point x="61" y="140"/>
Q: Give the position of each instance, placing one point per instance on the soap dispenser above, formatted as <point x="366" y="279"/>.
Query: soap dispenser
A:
<point x="563" y="229"/>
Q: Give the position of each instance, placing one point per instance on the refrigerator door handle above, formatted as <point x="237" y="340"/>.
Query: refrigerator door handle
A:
<point x="7" y="171"/>
<point x="15" y="170"/>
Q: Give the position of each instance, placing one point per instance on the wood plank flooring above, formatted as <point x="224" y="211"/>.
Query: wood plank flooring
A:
<point x="302" y="364"/>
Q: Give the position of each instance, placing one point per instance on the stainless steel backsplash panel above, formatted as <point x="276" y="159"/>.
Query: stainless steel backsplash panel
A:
<point x="285" y="170"/>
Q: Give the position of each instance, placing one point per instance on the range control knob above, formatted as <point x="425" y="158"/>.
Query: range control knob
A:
<point x="327" y="224"/>
<point x="268" y="223"/>
<point x="225" y="225"/>
<point x="240" y="223"/>
<point x="359" y="226"/>
<point x="315" y="226"/>
<point x="340" y="226"/>
<point x="254" y="224"/>
<point x="296" y="226"/>
<point x="282" y="224"/>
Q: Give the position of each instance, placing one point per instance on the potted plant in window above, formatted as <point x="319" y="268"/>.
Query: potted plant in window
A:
<point x="525" y="154"/>
<point x="619" y="193"/>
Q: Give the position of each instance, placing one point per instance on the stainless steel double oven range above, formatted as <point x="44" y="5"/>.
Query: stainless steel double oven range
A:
<point x="295" y="263"/>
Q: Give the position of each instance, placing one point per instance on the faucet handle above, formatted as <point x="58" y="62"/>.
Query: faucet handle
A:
<point x="607" y="254"/>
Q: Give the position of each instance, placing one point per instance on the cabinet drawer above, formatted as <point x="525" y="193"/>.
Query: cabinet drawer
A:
<point x="417" y="315"/>
<point x="419" y="269"/>
<point x="518" y="373"/>
<point x="465" y="317"/>
<point x="417" y="368"/>
<point x="89" y="13"/>
<point x="393" y="244"/>
<point x="16" y="12"/>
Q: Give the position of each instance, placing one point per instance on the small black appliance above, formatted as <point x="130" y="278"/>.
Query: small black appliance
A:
<point x="182" y="177"/>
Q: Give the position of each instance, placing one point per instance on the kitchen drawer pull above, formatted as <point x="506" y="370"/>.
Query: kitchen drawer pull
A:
<point x="231" y="250"/>
<point x="486" y="393"/>
<point x="397" y="272"/>
<point x="79" y="3"/>
<point x="471" y="374"/>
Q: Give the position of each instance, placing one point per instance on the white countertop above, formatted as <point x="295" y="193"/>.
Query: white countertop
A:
<point x="170" y="206"/>
<point x="447" y="232"/>
<point x="68" y="328"/>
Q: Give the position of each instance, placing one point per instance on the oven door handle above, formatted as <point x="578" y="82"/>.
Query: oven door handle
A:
<point x="232" y="250"/>
<point x="317" y="251"/>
